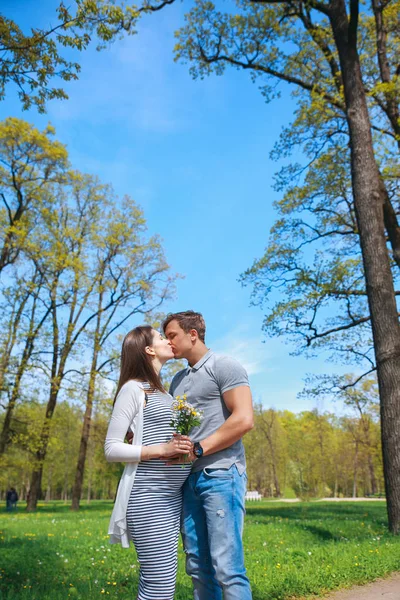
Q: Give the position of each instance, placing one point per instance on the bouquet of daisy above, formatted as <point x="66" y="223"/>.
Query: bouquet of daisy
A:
<point x="184" y="416"/>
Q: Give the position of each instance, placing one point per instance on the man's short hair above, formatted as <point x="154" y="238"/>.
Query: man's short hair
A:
<point x="188" y="319"/>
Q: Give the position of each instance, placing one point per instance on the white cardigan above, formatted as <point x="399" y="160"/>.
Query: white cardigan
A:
<point x="127" y="413"/>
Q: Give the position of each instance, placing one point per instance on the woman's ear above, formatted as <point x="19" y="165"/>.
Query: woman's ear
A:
<point x="149" y="350"/>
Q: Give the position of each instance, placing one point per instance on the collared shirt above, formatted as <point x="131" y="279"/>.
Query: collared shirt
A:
<point x="204" y="384"/>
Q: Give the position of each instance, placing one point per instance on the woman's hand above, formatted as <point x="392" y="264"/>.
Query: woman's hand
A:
<point x="178" y="445"/>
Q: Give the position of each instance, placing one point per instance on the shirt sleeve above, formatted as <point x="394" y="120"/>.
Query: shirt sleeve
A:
<point x="230" y="374"/>
<point x="125" y="410"/>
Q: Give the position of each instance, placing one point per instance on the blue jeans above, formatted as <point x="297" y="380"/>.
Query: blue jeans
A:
<point x="212" y="527"/>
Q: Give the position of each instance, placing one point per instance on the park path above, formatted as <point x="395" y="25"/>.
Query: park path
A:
<point x="383" y="589"/>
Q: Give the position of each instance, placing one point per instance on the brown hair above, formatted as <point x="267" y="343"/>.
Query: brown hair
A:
<point x="135" y="362"/>
<point x="188" y="320"/>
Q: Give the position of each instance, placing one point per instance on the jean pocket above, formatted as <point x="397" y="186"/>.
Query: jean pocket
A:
<point x="218" y="473"/>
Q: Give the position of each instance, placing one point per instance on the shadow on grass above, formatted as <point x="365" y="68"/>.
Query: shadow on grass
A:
<point x="21" y="559"/>
<point x="60" y="507"/>
<point x="322" y="511"/>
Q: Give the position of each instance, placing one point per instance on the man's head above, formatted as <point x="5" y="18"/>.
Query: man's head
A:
<point x="184" y="330"/>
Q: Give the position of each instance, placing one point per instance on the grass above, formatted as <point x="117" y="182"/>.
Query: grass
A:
<point x="292" y="551"/>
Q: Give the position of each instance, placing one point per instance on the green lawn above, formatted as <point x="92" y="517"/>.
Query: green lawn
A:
<point x="292" y="551"/>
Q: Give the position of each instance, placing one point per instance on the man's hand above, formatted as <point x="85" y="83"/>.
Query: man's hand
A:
<point x="129" y="436"/>
<point x="182" y="460"/>
<point x="187" y="458"/>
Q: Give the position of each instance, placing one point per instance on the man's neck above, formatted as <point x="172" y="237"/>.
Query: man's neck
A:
<point x="196" y="354"/>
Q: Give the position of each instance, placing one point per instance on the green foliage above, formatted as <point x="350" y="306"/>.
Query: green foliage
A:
<point x="31" y="62"/>
<point x="310" y="280"/>
<point x="291" y="551"/>
<point x="30" y="161"/>
<point x="80" y="267"/>
<point x="313" y="454"/>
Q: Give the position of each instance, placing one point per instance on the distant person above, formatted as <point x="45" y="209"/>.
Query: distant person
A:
<point x="214" y="493"/>
<point x="11" y="499"/>
<point x="148" y="505"/>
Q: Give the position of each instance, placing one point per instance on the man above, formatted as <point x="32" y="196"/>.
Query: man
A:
<point x="11" y="499"/>
<point x="213" y="495"/>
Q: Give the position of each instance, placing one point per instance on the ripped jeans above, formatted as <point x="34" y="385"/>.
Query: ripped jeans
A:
<point x="212" y="527"/>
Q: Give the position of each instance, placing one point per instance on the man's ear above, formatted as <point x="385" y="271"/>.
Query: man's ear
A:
<point x="194" y="335"/>
<point x="149" y="350"/>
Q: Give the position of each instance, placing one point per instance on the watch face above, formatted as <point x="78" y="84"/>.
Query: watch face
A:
<point x="198" y="450"/>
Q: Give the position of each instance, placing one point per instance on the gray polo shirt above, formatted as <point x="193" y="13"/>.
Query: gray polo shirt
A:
<point x="204" y="384"/>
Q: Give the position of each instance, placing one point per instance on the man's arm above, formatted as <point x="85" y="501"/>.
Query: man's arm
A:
<point x="239" y="403"/>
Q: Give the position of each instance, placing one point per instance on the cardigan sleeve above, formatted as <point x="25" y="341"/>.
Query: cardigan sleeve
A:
<point x="125" y="410"/>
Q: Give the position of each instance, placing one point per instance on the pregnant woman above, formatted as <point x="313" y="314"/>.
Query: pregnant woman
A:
<point x="149" y="499"/>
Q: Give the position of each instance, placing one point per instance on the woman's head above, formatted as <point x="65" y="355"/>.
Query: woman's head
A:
<point x="143" y="349"/>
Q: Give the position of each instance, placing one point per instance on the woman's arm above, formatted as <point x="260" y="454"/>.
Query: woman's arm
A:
<point x="124" y="412"/>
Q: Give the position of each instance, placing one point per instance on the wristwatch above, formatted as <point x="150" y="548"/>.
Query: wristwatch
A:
<point x="197" y="449"/>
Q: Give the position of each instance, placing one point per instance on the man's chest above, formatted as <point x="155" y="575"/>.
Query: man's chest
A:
<point x="198" y="388"/>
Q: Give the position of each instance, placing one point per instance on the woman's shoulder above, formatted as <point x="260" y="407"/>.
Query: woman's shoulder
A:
<point x="132" y="388"/>
<point x="133" y="383"/>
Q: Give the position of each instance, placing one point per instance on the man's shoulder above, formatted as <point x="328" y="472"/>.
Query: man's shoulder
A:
<point x="177" y="377"/>
<point x="224" y="361"/>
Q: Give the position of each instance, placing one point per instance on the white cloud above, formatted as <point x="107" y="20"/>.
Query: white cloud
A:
<point x="250" y="351"/>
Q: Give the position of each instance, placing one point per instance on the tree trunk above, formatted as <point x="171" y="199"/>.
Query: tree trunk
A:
<point x="4" y="364"/>
<point x="372" y="476"/>
<point x="80" y="468"/>
<point x="35" y="489"/>
<point x="87" y="420"/>
<point x="36" y="479"/>
<point x="267" y="428"/>
<point x="5" y="432"/>
<point x="368" y="204"/>
<point x="355" y="472"/>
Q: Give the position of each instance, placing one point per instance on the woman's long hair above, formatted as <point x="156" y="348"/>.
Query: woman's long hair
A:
<point x="135" y="362"/>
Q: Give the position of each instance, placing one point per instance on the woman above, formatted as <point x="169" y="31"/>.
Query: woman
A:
<point x="149" y="498"/>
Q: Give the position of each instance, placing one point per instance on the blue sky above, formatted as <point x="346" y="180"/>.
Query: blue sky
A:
<point x="195" y="156"/>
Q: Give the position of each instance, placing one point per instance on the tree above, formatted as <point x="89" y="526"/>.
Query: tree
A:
<point x="31" y="62"/>
<point x="260" y="40"/>
<point x="16" y="361"/>
<point x="131" y="280"/>
<point x="267" y="423"/>
<point x="81" y="278"/>
<point x="29" y="161"/>
<point x="364" y="401"/>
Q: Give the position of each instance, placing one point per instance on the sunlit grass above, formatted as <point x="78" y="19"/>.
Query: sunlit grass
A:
<point x="291" y="551"/>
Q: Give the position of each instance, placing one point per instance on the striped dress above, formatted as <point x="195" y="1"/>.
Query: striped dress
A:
<point x="154" y="507"/>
